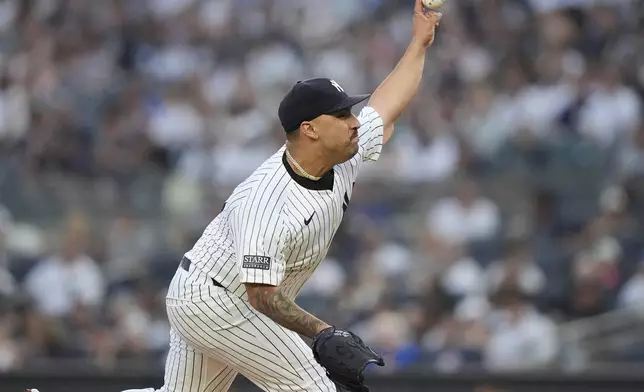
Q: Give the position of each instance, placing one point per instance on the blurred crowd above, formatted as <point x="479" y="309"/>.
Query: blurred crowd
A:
<point x="510" y="200"/>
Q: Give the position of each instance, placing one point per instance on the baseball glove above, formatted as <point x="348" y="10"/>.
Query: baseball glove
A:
<point x="344" y="356"/>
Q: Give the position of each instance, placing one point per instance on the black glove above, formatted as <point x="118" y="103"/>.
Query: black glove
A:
<point x="344" y="356"/>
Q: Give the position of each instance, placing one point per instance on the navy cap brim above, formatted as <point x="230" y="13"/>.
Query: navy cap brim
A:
<point x="348" y="103"/>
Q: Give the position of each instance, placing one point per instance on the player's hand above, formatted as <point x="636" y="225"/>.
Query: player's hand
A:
<point x="425" y="24"/>
<point x="344" y="356"/>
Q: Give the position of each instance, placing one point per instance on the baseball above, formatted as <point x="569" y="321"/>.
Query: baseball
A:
<point x="433" y="4"/>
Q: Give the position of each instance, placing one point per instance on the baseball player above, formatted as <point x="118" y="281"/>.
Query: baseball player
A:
<point x="231" y="303"/>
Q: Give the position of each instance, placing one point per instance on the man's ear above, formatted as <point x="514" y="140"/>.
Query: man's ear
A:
<point x="309" y="129"/>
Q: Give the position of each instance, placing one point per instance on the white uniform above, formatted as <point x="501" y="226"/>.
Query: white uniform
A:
<point x="275" y="229"/>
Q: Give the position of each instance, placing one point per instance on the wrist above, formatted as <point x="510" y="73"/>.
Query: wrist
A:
<point x="322" y="327"/>
<point x="417" y="45"/>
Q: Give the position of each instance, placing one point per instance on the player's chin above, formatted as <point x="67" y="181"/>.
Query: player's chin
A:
<point x="353" y="150"/>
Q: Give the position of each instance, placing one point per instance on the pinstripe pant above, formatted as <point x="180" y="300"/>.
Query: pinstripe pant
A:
<point x="216" y="335"/>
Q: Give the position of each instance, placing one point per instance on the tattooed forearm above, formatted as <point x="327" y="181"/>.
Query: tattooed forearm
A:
<point x="272" y="302"/>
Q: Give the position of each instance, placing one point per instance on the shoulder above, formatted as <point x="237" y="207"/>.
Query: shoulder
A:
<point x="43" y="269"/>
<point x="369" y="116"/>
<point x="267" y="184"/>
<point x="264" y="193"/>
<point x="371" y="125"/>
<point x="486" y="205"/>
<point x="45" y="264"/>
<point x="541" y="324"/>
<point x="446" y="204"/>
<point x="87" y="263"/>
<point x="270" y="172"/>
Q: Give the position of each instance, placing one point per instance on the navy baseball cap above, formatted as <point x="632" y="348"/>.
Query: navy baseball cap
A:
<point x="309" y="99"/>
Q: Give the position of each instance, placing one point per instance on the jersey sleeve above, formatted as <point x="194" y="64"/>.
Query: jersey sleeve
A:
<point x="260" y="240"/>
<point x="371" y="134"/>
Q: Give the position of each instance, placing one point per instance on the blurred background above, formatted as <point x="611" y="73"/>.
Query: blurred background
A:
<point x="500" y="232"/>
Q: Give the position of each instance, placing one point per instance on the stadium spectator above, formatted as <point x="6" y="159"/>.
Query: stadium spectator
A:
<point x="69" y="277"/>
<point x="521" y="337"/>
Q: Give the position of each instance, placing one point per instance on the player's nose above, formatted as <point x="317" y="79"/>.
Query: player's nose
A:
<point x="354" y="124"/>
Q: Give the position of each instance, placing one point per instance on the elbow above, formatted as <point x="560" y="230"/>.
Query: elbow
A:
<point x="252" y="291"/>
<point x="258" y="294"/>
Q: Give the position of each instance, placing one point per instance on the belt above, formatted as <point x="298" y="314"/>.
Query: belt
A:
<point x="186" y="263"/>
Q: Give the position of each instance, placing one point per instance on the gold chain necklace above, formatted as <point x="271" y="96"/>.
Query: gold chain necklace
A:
<point x="299" y="168"/>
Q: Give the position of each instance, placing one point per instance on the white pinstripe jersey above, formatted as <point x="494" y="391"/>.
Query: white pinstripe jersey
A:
<point x="276" y="227"/>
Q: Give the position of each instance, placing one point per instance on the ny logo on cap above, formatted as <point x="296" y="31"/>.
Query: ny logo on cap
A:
<point x="337" y="86"/>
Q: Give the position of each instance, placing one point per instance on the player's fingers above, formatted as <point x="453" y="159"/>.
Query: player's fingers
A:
<point x="419" y="8"/>
<point x="435" y="17"/>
